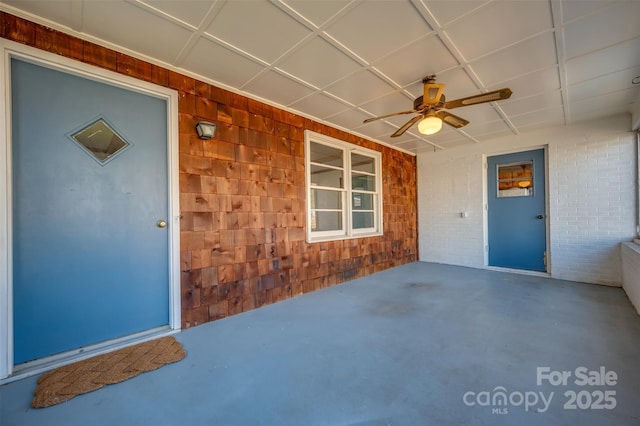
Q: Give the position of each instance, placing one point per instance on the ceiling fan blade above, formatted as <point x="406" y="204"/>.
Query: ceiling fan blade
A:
<point x="406" y="126"/>
<point x="369" y="120"/>
<point x="496" y="95"/>
<point x="452" y="119"/>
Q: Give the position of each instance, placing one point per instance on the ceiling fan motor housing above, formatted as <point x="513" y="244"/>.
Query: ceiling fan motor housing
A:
<point x="419" y="105"/>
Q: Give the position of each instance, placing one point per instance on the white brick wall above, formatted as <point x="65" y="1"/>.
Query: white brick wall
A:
<point x="445" y="190"/>
<point x="592" y="206"/>
<point x="591" y="199"/>
<point x="631" y="272"/>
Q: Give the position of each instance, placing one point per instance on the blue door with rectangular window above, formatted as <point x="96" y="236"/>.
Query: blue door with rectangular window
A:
<point x="516" y="211"/>
<point x="89" y="185"/>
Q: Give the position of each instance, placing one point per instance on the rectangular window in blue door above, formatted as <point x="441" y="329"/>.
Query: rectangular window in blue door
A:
<point x="516" y="211"/>
<point x="515" y="179"/>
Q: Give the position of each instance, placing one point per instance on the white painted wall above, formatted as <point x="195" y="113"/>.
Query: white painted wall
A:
<point x="631" y="272"/>
<point x="591" y="171"/>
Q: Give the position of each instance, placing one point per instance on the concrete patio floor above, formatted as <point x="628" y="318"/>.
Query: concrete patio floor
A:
<point x="420" y="344"/>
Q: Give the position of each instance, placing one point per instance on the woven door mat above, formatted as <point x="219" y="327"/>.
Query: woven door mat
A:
<point x="66" y="382"/>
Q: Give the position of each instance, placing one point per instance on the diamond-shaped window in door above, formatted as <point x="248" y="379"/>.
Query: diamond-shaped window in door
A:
<point x="100" y="140"/>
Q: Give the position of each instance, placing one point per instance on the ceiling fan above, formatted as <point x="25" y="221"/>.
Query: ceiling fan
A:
<point x="430" y="107"/>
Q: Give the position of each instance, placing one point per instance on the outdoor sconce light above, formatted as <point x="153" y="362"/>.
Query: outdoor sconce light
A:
<point x="206" y="130"/>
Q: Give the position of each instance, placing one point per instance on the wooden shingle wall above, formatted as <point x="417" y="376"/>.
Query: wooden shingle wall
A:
<point x="242" y="194"/>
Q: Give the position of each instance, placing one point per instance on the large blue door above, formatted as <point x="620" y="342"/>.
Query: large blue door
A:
<point x="517" y="229"/>
<point x="89" y="184"/>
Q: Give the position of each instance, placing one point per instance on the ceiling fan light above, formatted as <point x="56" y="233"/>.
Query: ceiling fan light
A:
<point x="430" y="125"/>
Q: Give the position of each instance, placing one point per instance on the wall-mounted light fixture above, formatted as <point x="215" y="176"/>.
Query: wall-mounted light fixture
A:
<point x="206" y="130"/>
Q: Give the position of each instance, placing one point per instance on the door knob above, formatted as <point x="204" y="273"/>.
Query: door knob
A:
<point x="540" y="216"/>
<point x="161" y="223"/>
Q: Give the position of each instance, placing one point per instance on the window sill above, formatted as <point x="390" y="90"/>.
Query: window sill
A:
<point x="334" y="238"/>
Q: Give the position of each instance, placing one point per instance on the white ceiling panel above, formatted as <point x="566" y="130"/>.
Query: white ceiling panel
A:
<point x="447" y="11"/>
<point x="477" y="113"/>
<point x="342" y="61"/>
<point x="191" y="12"/>
<point x="592" y="114"/>
<point x="318" y="63"/>
<point x="257" y="27"/>
<point x="428" y="55"/>
<point x="484" y="137"/>
<point x="67" y="13"/>
<point x="540" y="81"/>
<point x="413" y="144"/>
<point x="480" y="128"/>
<point x="536" y="53"/>
<point x="319" y="105"/>
<point x="595" y="31"/>
<point x="381" y="129"/>
<point x="574" y="9"/>
<point x="608" y="83"/>
<point x="532" y="103"/>
<point x="498" y="32"/>
<point x="548" y="117"/>
<point x="452" y="144"/>
<point x="383" y="26"/>
<point x="447" y="135"/>
<point x="209" y="58"/>
<point x="612" y="102"/>
<point x="601" y="62"/>
<point x="360" y="87"/>
<point x="156" y="36"/>
<point x="278" y="88"/>
<point x="317" y="12"/>
<point x="348" y="119"/>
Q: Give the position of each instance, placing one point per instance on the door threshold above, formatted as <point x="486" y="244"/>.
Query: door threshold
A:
<point x="38" y="366"/>
<point x="519" y="271"/>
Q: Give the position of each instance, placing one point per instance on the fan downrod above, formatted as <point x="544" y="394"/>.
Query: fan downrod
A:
<point x="431" y="78"/>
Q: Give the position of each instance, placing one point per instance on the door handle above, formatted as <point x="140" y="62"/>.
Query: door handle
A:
<point x="161" y="223"/>
<point x="540" y="216"/>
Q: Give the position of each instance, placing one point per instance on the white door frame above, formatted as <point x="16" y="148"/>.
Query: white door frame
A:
<point x="10" y="50"/>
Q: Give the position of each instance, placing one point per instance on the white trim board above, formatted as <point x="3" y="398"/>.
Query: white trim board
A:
<point x="10" y="50"/>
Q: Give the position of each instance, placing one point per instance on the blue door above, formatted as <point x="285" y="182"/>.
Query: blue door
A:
<point x="89" y="184"/>
<point x="517" y="229"/>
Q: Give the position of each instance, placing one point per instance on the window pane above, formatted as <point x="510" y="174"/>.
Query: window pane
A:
<point x="515" y="179"/>
<point x="365" y="183"/>
<point x="322" y="176"/>
<point x="324" y="154"/>
<point x="323" y="199"/>
<point x="326" y="221"/>
<point x="100" y="140"/>
<point x="363" y="163"/>
<point x="362" y="201"/>
<point x="362" y="220"/>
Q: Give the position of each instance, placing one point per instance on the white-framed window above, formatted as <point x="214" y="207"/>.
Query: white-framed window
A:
<point x="344" y="189"/>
